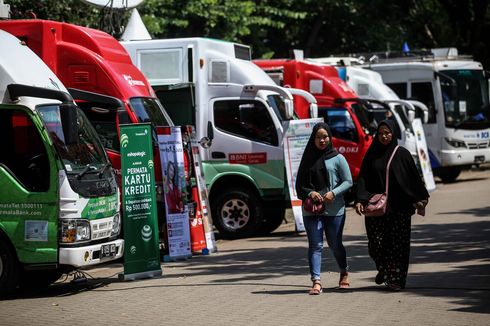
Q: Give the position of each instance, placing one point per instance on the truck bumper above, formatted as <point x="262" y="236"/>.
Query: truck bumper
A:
<point x="90" y="255"/>
<point x="465" y="156"/>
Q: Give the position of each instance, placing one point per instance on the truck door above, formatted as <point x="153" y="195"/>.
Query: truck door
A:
<point x="245" y="133"/>
<point x="28" y="195"/>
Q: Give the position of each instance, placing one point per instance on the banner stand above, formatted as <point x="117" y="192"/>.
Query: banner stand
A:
<point x="141" y="275"/>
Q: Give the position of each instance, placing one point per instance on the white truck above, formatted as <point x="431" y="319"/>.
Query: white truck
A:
<point x="455" y="90"/>
<point x="238" y="112"/>
<point x="59" y="201"/>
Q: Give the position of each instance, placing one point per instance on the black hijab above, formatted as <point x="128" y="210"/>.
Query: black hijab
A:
<point x="312" y="172"/>
<point x="406" y="186"/>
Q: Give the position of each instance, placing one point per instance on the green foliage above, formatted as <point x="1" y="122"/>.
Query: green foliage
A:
<point x="274" y="27"/>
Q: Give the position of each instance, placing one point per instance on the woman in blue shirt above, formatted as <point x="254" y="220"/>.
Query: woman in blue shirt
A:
<point x="324" y="176"/>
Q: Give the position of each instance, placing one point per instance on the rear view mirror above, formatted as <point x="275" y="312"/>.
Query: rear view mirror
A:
<point x="289" y="109"/>
<point x="313" y="110"/>
<point x="69" y="122"/>
<point x="410" y="115"/>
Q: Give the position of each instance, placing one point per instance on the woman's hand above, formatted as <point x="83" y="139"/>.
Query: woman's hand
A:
<point x="421" y="204"/>
<point x="329" y="197"/>
<point x="316" y="197"/>
<point x="359" y="208"/>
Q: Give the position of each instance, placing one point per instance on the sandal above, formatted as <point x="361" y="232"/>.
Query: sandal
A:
<point x="316" y="288"/>
<point x="344" y="281"/>
<point x="380" y="278"/>
<point x="394" y="287"/>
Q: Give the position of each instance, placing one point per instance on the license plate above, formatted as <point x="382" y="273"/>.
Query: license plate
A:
<point x="108" y="250"/>
<point x="480" y="159"/>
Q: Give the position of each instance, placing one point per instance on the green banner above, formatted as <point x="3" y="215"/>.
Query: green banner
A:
<point x="141" y="252"/>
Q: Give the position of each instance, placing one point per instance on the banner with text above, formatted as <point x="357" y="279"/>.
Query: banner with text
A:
<point x="174" y="187"/>
<point x="295" y="140"/>
<point x="141" y="252"/>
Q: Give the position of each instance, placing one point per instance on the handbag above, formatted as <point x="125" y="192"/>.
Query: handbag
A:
<point x="313" y="207"/>
<point x="377" y="203"/>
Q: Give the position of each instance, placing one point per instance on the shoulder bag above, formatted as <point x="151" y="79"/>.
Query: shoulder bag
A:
<point x="313" y="207"/>
<point x="376" y="205"/>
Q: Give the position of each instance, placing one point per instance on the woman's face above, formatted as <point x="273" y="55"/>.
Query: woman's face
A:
<point x="322" y="139"/>
<point x="385" y="135"/>
<point x="171" y="172"/>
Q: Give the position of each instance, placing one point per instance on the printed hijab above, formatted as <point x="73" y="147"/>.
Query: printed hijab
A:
<point x="312" y="173"/>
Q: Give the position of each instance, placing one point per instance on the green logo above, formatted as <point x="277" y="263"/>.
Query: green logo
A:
<point x="146" y="233"/>
<point x="124" y="140"/>
<point x="150" y="164"/>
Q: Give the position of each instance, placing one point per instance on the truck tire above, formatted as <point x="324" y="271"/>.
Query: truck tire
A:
<point x="273" y="218"/>
<point x="9" y="269"/>
<point x="237" y="213"/>
<point x="449" y="175"/>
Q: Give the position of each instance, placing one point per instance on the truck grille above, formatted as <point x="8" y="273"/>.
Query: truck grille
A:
<point x="101" y="228"/>
<point x="476" y="145"/>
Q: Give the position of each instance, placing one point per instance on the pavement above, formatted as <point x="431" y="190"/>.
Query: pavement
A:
<point x="264" y="280"/>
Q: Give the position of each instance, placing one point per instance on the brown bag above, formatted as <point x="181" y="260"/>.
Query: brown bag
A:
<point x="376" y="205"/>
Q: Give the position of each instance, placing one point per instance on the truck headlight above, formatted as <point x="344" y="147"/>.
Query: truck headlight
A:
<point x="455" y="143"/>
<point x="73" y="230"/>
<point x="116" y="224"/>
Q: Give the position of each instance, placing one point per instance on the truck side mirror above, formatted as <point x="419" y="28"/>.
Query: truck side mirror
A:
<point x="313" y="110"/>
<point x="410" y="115"/>
<point x="289" y="109"/>
<point x="68" y="113"/>
<point x="206" y="142"/>
<point x="426" y="117"/>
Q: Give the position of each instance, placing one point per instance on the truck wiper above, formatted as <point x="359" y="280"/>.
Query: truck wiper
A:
<point x="84" y="171"/>
<point x="101" y="172"/>
<point x="458" y="124"/>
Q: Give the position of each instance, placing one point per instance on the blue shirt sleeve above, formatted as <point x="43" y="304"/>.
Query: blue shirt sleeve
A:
<point x="344" y="175"/>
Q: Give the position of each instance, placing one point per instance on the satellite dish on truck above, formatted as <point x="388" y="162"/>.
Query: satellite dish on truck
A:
<point x="119" y="4"/>
<point x="112" y="13"/>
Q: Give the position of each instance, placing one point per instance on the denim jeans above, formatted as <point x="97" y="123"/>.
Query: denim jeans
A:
<point x="333" y="226"/>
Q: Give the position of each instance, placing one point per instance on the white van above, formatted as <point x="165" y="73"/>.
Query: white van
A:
<point x="455" y="90"/>
<point x="238" y="112"/>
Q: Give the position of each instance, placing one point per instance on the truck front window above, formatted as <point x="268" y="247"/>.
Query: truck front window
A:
<point x="85" y="150"/>
<point x="150" y="110"/>
<point x="465" y="98"/>
<point x="278" y="106"/>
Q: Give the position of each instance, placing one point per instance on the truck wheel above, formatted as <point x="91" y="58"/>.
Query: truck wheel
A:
<point x="449" y="175"/>
<point x="9" y="269"/>
<point x="237" y="213"/>
<point x="273" y="218"/>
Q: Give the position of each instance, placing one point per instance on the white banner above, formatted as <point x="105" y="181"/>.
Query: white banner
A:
<point x="423" y="154"/>
<point x="174" y="186"/>
<point x="295" y="140"/>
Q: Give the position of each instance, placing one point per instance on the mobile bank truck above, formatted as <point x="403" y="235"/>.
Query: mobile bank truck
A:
<point x="337" y="104"/>
<point x="59" y="200"/>
<point x="455" y="90"/>
<point x="101" y="78"/>
<point x="238" y="113"/>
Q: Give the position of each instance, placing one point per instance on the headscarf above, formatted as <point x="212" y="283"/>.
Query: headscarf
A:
<point x="406" y="186"/>
<point x="312" y="172"/>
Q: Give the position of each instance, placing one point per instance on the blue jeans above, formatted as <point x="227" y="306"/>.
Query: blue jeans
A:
<point x="333" y="226"/>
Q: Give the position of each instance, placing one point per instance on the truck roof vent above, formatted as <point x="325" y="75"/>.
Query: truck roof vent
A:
<point x="219" y="72"/>
<point x="81" y="77"/>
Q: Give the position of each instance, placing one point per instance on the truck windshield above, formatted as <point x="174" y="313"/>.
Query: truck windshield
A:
<point x="277" y="104"/>
<point x="367" y="119"/>
<point x="85" y="149"/>
<point x="465" y="98"/>
<point x="149" y="109"/>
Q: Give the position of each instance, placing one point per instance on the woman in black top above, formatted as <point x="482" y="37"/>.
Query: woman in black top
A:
<point x="389" y="235"/>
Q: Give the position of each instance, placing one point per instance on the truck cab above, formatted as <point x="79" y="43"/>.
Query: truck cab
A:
<point x="455" y="90"/>
<point x="239" y="114"/>
<point x="337" y="103"/>
<point x="59" y="200"/>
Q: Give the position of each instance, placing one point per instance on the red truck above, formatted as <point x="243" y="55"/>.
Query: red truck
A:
<point x="337" y="103"/>
<point x="100" y="76"/>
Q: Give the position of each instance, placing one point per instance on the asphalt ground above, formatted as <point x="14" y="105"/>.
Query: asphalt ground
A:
<point x="265" y="280"/>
